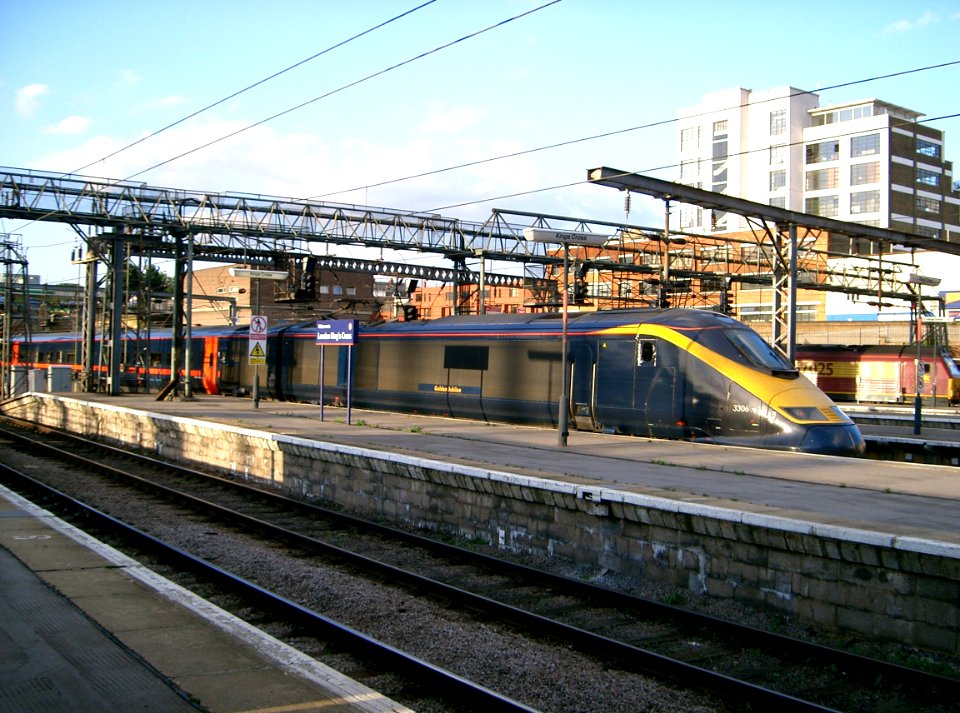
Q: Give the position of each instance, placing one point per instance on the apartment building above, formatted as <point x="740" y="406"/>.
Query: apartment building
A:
<point x="869" y="162"/>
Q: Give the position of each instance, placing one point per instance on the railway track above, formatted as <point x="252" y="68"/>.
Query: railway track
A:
<point x="747" y="668"/>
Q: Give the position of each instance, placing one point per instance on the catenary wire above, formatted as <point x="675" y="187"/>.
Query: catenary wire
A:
<point x="617" y="132"/>
<point x="237" y="93"/>
<point x="344" y="87"/>
<point x="651" y="170"/>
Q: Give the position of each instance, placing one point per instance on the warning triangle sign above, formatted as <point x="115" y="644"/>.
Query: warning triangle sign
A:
<point x="257" y="350"/>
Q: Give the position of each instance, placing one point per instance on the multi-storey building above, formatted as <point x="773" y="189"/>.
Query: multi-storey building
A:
<point x="869" y="162"/>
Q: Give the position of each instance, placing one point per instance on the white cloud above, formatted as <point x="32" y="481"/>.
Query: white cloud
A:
<point x="28" y="98"/>
<point x="128" y="77"/>
<point x="71" y="125"/>
<point x="901" y="26"/>
<point x="451" y="120"/>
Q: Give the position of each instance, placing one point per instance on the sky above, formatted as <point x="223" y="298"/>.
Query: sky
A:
<point x="80" y="81"/>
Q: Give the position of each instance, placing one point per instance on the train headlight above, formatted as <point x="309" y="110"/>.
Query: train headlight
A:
<point x="815" y="413"/>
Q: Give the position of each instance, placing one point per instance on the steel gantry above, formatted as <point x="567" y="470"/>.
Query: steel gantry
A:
<point x="778" y="229"/>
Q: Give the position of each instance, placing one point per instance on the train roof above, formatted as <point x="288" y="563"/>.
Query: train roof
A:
<point x="550" y="321"/>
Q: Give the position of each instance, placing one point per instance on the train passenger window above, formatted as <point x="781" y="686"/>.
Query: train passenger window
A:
<point x="155" y="359"/>
<point x="466" y="357"/>
<point x="647" y="353"/>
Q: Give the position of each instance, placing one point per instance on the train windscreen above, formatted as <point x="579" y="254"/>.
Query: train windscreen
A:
<point x="746" y="346"/>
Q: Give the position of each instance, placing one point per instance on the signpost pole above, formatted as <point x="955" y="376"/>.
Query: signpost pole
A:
<point x="320" y="379"/>
<point x="565" y="238"/>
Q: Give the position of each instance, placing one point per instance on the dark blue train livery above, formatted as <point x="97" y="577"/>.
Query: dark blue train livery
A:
<point x="674" y="373"/>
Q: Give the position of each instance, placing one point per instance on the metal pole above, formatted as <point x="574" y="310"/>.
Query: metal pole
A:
<point x="918" y="386"/>
<point x="256" y="367"/>
<point x="483" y="304"/>
<point x="188" y="328"/>
<point x="562" y="425"/>
<point x="320" y="381"/>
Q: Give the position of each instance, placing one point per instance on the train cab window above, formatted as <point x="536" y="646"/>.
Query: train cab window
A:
<point x="155" y="359"/>
<point x="761" y="354"/>
<point x="647" y="353"/>
<point x="747" y="347"/>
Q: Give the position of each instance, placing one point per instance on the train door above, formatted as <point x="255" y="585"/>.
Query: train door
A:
<point x="656" y="389"/>
<point x="614" y="393"/>
<point x="210" y="369"/>
<point x="583" y="388"/>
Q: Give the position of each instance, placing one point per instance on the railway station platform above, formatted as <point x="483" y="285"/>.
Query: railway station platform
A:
<point x="84" y="629"/>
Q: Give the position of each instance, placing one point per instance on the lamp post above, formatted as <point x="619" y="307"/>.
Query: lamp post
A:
<point x="565" y="238"/>
<point x="919" y="281"/>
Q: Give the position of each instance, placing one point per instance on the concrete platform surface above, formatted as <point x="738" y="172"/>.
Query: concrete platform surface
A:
<point x="85" y="629"/>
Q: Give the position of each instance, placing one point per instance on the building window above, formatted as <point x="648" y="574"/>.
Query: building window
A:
<point x="778" y="155"/>
<point x="865" y="145"/>
<point x="778" y="122"/>
<point x="823" y="151"/>
<point x="690" y="216"/>
<point x="778" y="179"/>
<point x="719" y="176"/>
<point x="824" y="178"/>
<point x="928" y="205"/>
<point x="719" y="149"/>
<point x="689" y="169"/>
<point x="826" y="206"/>
<point x="865" y="202"/>
<point x="624" y="289"/>
<point x="928" y="178"/>
<point x="833" y="117"/>
<point x="690" y="138"/>
<point x="778" y="202"/>
<point x="711" y="284"/>
<point x="926" y="232"/>
<point x="862" y="173"/>
<point x="720" y="129"/>
<point x="928" y="148"/>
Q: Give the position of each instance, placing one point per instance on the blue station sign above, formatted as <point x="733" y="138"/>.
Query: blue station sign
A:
<point x="336" y="332"/>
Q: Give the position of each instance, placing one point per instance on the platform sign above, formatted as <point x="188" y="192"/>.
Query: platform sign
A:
<point x="336" y="332"/>
<point x="257" y="345"/>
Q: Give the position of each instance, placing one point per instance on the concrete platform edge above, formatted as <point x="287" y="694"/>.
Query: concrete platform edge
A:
<point x="283" y="656"/>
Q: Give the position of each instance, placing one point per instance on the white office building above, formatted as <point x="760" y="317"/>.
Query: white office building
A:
<point x="868" y="162"/>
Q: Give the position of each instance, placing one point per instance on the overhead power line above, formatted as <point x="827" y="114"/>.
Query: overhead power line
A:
<point x="346" y="86"/>
<point x="257" y="84"/>
<point x="616" y="132"/>
<point x="648" y="170"/>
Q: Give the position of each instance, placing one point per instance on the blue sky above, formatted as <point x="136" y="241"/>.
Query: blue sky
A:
<point x="79" y="80"/>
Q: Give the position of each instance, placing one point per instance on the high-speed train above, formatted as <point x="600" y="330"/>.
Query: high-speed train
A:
<point x="673" y="373"/>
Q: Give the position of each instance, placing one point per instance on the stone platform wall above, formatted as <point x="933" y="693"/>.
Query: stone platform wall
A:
<point x="874" y="584"/>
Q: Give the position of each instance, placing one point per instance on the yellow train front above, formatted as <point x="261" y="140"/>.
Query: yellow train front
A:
<point x="676" y="373"/>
